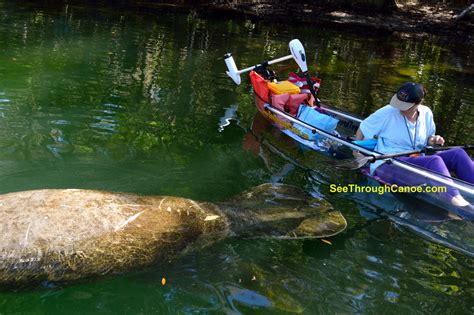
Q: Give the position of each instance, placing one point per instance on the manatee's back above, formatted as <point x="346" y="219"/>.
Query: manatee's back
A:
<point x="68" y="234"/>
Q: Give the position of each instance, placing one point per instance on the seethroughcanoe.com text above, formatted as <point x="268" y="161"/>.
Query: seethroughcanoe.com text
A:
<point x="354" y="188"/>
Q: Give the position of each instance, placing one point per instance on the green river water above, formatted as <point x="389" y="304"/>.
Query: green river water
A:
<point x="139" y="102"/>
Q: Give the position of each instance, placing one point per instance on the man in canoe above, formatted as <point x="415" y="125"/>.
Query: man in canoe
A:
<point x="404" y="124"/>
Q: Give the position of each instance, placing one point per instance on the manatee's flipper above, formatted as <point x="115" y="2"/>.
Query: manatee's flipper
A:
<point x="324" y="225"/>
<point x="283" y="211"/>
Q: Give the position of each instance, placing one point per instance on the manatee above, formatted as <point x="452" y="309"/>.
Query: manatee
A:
<point x="69" y="234"/>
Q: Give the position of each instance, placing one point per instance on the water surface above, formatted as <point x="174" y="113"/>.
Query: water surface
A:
<point x="108" y="99"/>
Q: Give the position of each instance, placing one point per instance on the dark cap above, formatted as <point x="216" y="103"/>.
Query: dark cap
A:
<point x="408" y="95"/>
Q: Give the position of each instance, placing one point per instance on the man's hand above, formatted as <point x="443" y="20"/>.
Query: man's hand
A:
<point x="436" y="140"/>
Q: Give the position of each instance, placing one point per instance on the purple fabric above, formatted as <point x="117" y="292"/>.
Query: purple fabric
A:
<point x="444" y="162"/>
<point x="459" y="162"/>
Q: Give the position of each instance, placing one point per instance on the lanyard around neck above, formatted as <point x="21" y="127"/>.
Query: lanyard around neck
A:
<point x="413" y="142"/>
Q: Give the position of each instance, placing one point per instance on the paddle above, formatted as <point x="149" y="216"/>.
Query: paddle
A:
<point x="298" y="53"/>
<point x="356" y="163"/>
<point x="235" y="73"/>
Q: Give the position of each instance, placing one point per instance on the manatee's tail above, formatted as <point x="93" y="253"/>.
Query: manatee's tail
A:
<point x="282" y="211"/>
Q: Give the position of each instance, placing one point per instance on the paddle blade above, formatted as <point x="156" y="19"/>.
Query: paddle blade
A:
<point x="298" y="53"/>
<point x="233" y="72"/>
<point x="350" y="164"/>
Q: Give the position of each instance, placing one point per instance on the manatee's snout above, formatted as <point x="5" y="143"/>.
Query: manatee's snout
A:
<point x="283" y="211"/>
